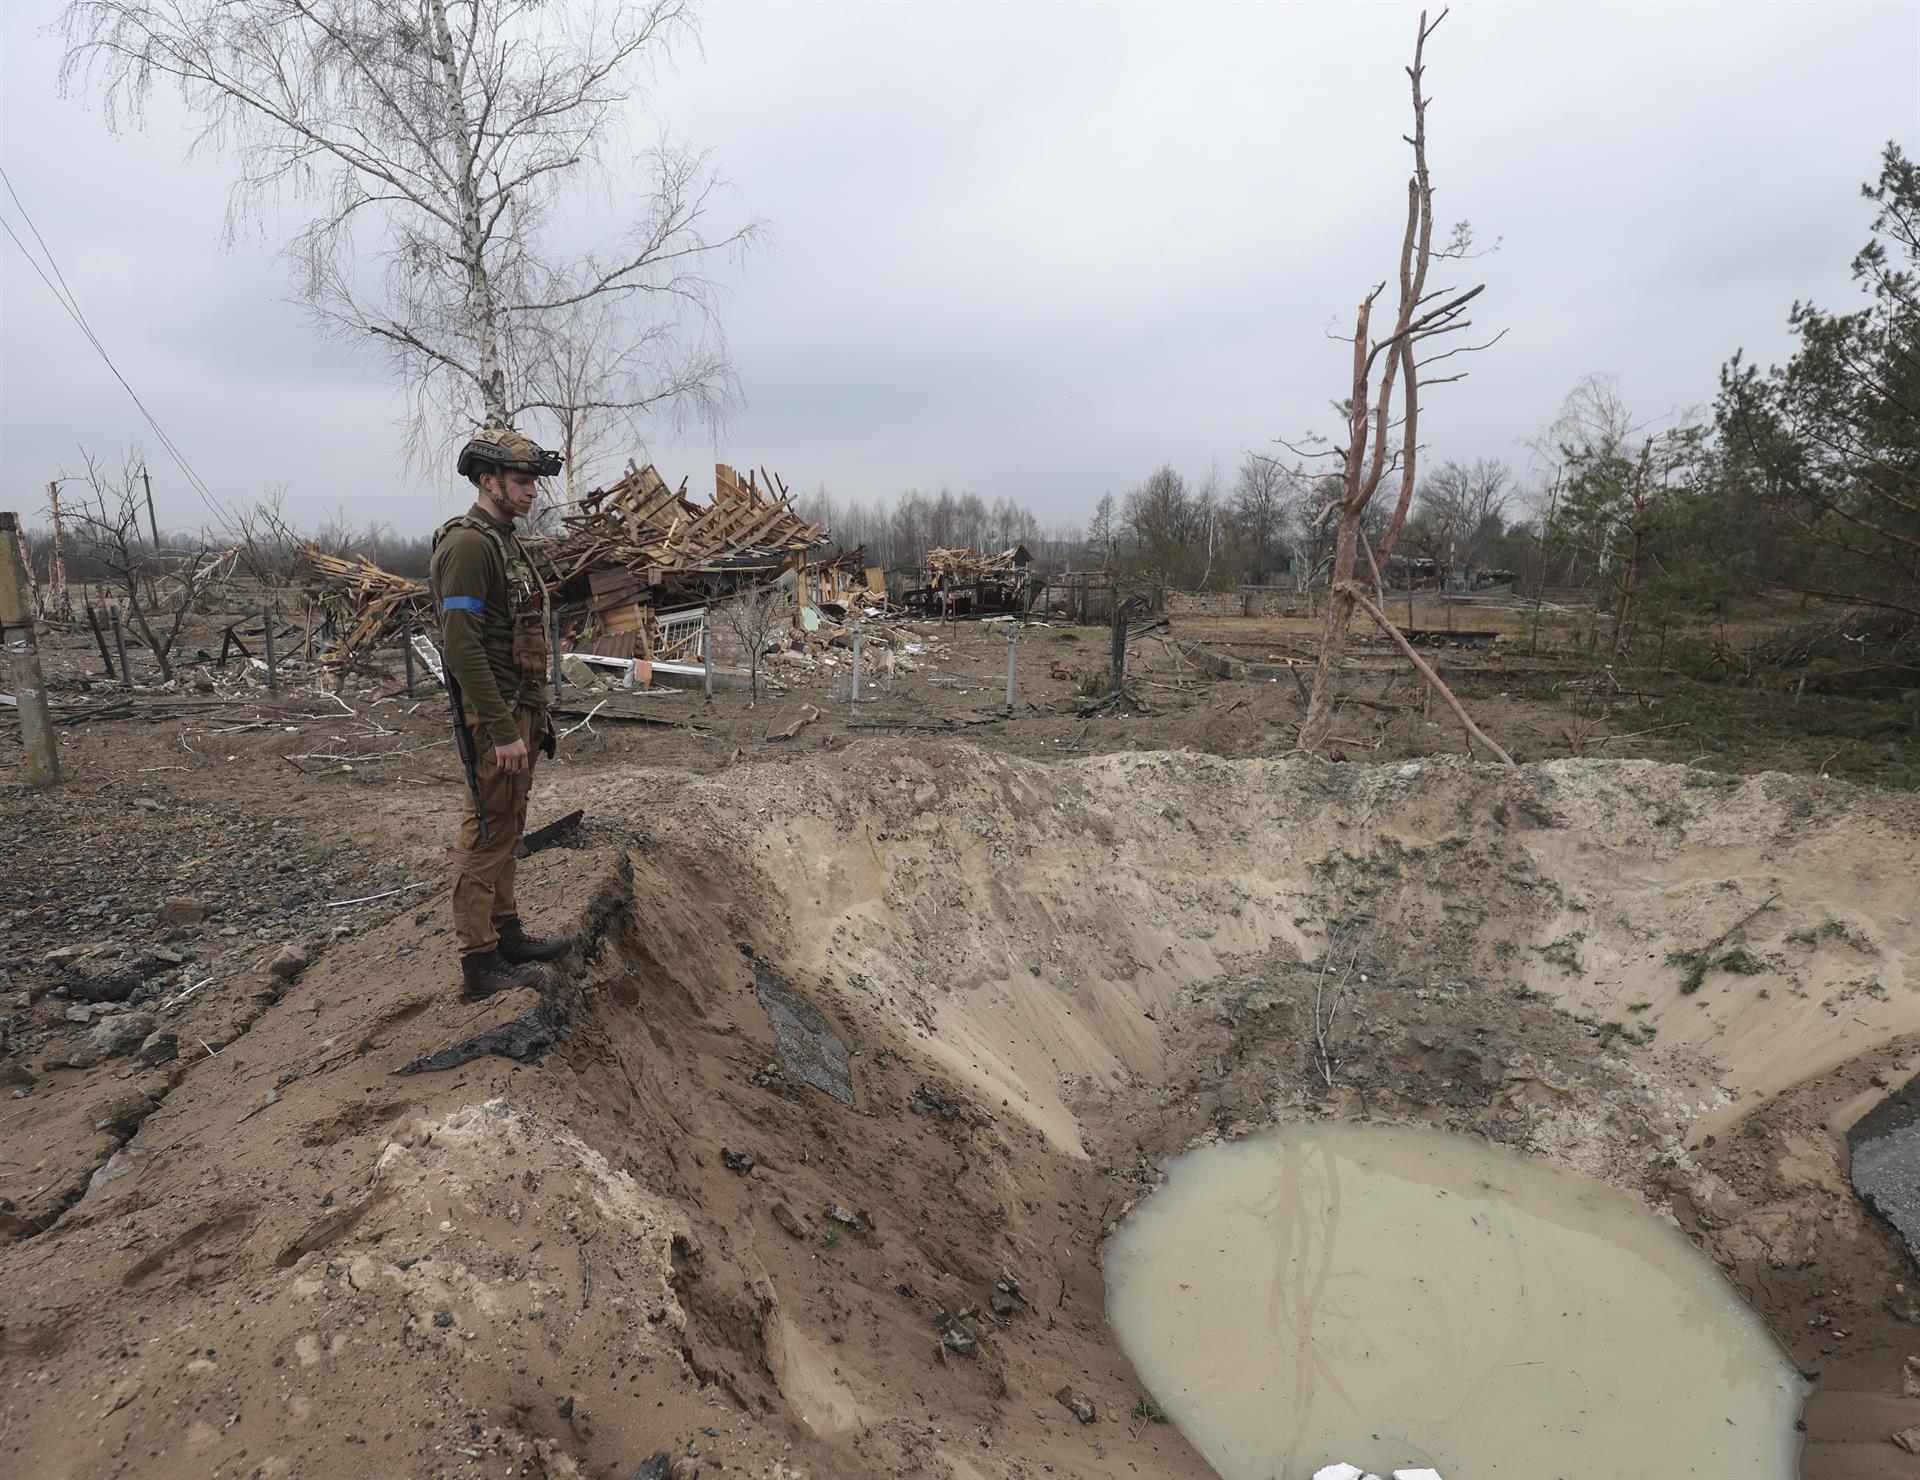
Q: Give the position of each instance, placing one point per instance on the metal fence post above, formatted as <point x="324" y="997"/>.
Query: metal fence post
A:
<point x="1012" y="630"/>
<point x="273" y="661"/>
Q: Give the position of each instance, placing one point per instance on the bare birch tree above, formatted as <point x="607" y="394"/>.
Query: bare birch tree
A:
<point x="1376" y="408"/>
<point x="587" y="350"/>
<point x="434" y="138"/>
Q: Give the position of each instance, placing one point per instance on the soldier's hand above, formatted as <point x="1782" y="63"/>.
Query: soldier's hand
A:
<point x="511" y="758"/>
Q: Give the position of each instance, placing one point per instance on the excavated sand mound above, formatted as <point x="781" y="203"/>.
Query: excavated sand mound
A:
<point x="667" y="1233"/>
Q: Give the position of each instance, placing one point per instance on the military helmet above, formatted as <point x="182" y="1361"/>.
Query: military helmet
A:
<point x="503" y="450"/>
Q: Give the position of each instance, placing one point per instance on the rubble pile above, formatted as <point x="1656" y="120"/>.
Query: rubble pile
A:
<point x="959" y="583"/>
<point x="646" y="579"/>
<point x="366" y="601"/>
<point x="636" y="568"/>
<point x="670" y="544"/>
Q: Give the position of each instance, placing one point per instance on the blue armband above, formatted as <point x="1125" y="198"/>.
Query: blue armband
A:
<point x="463" y="604"/>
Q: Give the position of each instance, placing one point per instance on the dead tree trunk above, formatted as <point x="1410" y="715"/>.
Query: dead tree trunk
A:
<point x="57" y="576"/>
<point x="1372" y="414"/>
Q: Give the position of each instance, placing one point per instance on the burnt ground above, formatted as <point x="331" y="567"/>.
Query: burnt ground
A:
<point x="1543" y="695"/>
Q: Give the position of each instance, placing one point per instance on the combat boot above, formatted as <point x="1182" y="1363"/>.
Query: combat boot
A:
<point x="517" y="946"/>
<point x="483" y="973"/>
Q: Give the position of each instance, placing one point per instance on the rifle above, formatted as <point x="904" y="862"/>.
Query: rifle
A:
<point x="463" y="742"/>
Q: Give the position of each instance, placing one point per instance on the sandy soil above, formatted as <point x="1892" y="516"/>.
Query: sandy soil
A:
<point x="265" y="1253"/>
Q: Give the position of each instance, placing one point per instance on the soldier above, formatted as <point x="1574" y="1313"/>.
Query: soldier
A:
<point x="495" y="629"/>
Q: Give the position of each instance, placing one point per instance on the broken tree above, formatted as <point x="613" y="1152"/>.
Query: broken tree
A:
<point x="1374" y="410"/>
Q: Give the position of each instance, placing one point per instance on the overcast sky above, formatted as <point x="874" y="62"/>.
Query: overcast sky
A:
<point x="1036" y="251"/>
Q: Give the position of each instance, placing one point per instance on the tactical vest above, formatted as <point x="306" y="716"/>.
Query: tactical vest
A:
<point x="521" y="633"/>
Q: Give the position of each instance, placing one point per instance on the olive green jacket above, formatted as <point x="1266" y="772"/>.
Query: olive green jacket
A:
<point x="494" y="621"/>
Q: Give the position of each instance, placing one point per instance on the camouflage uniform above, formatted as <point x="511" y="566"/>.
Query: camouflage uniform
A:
<point x="496" y="630"/>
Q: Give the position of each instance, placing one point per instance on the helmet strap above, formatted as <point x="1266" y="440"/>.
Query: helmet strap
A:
<point x="490" y="499"/>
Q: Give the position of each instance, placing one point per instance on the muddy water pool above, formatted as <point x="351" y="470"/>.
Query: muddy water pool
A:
<point x="1396" y="1297"/>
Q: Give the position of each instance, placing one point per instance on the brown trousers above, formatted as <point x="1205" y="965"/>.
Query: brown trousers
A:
<point x="483" y="876"/>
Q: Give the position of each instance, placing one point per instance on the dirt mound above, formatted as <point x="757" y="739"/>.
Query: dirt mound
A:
<point x="668" y="1232"/>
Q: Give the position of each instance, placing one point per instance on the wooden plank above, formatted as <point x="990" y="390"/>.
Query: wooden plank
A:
<point x="607" y="645"/>
<point x="610" y="579"/>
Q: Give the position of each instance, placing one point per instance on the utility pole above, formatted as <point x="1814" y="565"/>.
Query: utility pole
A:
<point x="16" y="634"/>
<point x="153" y="524"/>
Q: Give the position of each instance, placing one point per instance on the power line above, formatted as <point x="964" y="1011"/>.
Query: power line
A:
<point x="66" y="299"/>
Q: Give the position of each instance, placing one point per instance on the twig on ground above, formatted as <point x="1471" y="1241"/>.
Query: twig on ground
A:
<point x="1607" y="740"/>
<point x="1700" y="962"/>
<point x="334" y="904"/>
<point x="585" y="724"/>
<point x="586" y="1270"/>
<point x="174" y="1001"/>
<point x="350" y="758"/>
<point x="1326" y="1008"/>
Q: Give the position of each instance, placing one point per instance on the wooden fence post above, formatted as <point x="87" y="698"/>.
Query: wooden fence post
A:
<point x="23" y="653"/>
<point x="855" y="707"/>
<point x="100" y="638"/>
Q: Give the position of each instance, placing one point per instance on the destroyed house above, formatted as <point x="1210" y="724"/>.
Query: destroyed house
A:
<point x="958" y="584"/>
<point x="634" y="571"/>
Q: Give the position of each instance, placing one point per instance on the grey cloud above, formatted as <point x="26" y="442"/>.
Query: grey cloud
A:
<point x="1037" y="251"/>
